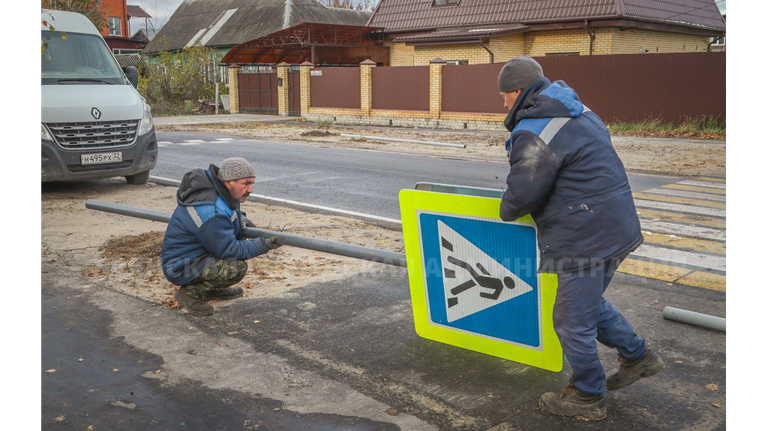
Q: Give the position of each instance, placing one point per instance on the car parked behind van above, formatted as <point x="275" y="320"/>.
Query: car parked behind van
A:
<point x="94" y="123"/>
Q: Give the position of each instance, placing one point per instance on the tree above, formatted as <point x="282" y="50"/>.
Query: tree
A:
<point x="93" y="9"/>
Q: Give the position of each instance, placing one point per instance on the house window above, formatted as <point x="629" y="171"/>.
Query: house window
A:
<point x="548" y="54"/>
<point x="456" y="62"/>
<point x="445" y="2"/>
<point x="125" y="51"/>
<point x="114" y="27"/>
<point x="717" y="41"/>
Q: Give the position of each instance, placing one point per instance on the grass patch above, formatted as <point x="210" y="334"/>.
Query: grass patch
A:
<point x="705" y="125"/>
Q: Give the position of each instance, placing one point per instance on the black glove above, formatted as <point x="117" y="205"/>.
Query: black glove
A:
<point x="272" y="243"/>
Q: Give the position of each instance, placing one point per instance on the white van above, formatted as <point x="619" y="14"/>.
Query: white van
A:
<point x="94" y="122"/>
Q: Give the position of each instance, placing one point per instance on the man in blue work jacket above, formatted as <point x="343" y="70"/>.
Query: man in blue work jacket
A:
<point x="565" y="172"/>
<point x="204" y="249"/>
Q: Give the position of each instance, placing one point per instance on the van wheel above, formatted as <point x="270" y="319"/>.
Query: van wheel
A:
<point x="140" y="178"/>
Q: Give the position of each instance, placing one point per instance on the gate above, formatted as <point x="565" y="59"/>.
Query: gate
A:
<point x="257" y="88"/>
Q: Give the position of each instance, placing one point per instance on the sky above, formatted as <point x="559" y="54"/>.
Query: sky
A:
<point x="160" y="10"/>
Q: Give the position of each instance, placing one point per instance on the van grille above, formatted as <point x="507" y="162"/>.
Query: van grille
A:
<point x="102" y="134"/>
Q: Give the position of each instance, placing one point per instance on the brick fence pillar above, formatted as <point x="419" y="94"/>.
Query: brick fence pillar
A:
<point x="304" y="69"/>
<point x="282" y="90"/>
<point x="436" y="87"/>
<point x="366" y="87"/>
<point x="234" y="93"/>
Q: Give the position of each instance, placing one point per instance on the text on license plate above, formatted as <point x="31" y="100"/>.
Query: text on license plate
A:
<point x="93" y="159"/>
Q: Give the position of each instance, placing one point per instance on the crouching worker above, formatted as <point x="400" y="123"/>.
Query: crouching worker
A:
<point x="204" y="250"/>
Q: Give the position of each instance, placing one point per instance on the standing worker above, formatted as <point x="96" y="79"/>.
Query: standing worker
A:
<point x="204" y="250"/>
<point x="565" y="172"/>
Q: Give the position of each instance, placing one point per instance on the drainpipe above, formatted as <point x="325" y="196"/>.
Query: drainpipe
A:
<point x="486" y="48"/>
<point x="591" y="34"/>
<point x="287" y="19"/>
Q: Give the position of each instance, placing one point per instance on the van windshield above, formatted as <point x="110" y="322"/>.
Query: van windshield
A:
<point x="79" y="59"/>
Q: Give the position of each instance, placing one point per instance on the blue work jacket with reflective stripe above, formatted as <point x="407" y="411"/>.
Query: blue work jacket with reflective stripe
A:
<point x="565" y="172"/>
<point x="204" y="228"/>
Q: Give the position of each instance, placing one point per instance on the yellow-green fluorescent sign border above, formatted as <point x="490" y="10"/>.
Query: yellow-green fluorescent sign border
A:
<point x="459" y="250"/>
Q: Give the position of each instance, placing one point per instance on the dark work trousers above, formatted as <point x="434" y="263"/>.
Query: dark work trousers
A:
<point x="219" y="275"/>
<point x="582" y="315"/>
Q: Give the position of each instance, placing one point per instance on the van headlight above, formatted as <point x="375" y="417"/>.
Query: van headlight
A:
<point x="46" y="135"/>
<point x="145" y="126"/>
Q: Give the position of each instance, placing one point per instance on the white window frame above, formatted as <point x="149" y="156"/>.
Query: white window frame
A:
<point x="115" y="26"/>
<point x="717" y="41"/>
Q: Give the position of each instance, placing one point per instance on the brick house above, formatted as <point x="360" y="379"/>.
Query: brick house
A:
<point x="116" y="12"/>
<point x="494" y="31"/>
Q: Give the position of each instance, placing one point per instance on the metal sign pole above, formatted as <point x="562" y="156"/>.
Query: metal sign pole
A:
<point x="332" y="247"/>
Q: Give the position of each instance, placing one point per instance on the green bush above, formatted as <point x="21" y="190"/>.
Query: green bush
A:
<point x="172" y="79"/>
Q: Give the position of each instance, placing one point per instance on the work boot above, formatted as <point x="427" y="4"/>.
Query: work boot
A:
<point x="194" y="306"/>
<point x="223" y="294"/>
<point x="575" y="403"/>
<point x="632" y="371"/>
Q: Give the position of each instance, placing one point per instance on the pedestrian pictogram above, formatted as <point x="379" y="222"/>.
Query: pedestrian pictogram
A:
<point x="473" y="278"/>
<point x="473" y="287"/>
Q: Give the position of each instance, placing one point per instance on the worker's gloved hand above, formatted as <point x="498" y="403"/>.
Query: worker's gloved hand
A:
<point x="245" y="221"/>
<point x="272" y="243"/>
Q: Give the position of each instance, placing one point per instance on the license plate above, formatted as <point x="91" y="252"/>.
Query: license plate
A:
<point x="94" y="159"/>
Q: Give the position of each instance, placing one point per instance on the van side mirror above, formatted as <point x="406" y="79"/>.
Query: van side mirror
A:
<point x="132" y="75"/>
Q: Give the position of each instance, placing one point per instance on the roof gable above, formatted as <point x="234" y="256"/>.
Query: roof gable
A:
<point x="232" y="22"/>
<point x="400" y="15"/>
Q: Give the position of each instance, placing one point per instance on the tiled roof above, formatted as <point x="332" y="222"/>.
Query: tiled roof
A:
<point x="136" y="12"/>
<point x="232" y="22"/>
<point x="398" y="15"/>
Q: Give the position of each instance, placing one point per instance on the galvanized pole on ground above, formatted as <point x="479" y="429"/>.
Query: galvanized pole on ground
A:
<point x="332" y="247"/>
<point x="694" y="318"/>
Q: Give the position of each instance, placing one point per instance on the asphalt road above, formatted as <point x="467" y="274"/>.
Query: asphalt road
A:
<point x="342" y="355"/>
<point x="348" y="179"/>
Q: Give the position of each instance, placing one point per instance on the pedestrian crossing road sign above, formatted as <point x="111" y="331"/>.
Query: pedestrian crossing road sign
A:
<point x="473" y="278"/>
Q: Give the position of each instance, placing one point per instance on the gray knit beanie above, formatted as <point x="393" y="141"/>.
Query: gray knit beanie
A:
<point x="235" y="168"/>
<point x="519" y="73"/>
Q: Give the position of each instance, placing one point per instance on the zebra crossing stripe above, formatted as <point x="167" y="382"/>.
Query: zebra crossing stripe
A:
<point x="687" y="194"/>
<point x="679" y="200"/>
<point x="707" y="190"/>
<point x="712" y="212"/>
<point x="711" y="184"/>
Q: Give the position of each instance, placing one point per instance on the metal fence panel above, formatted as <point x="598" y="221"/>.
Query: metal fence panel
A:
<point x="472" y="88"/>
<point x="400" y="88"/>
<point x="619" y="88"/>
<point x="335" y="87"/>
<point x="636" y="87"/>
